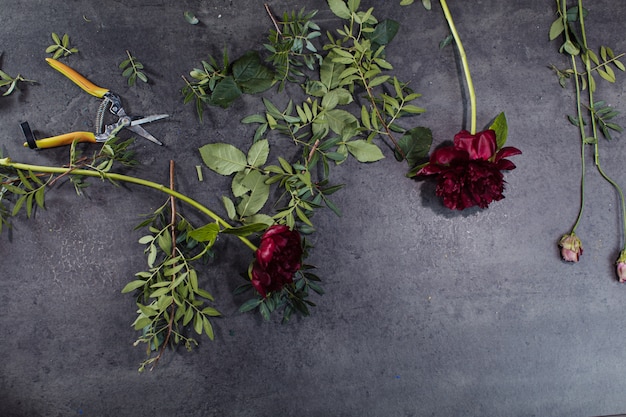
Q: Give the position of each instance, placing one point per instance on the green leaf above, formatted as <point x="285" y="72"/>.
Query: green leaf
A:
<point x="258" y="153"/>
<point x="364" y="151"/>
<point x="250" y="305"/>
<point x="259" y="193"/>
<point x="330" y="71"/>
<point x="208" y="329"/>
<point x="133" y="285"/>
<point x="500" y="126"/>
<point x="415" y="144"/>
<point x="206" y="233"/>
<point x="340" y="9"/>
<point x="159" y="292"/>
<point x="339" y="120"/>
<point x="197" y="323"/>
<point x="384" y="33"/>
<point x="225" y="92"/>
<point x="223" y="158"/>
<point x="251" y="75"/>
<point x="556" y="28"/>
<point x="230" y="207"/>
<point x="141" y="322"/>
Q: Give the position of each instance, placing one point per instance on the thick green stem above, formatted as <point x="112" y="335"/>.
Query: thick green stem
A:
<point x="6" y="162"/>
<point x="468" y="76"/>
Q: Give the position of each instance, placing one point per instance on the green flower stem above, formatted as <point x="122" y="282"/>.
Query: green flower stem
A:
<point x="581" y="127"/>
<point x="6" y="162"/>
<point x="594" y="128"/>
<point x="468" y="76"/>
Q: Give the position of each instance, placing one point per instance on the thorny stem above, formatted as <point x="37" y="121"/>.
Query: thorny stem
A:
<point x="170" y="324"/>
<point x="594" y="126"/>
<point x="380" y="116"/>
<point x="468" y="77"/>
<point x="6" y="162"/>
<point x="271" y="15"/>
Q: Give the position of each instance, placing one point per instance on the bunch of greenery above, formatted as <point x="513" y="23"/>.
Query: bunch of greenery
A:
<point x="593" y="116"/>
<point x="349" y="98"/>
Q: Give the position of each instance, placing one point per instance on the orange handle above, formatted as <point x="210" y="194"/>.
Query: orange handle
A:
<point x="78" y="79"/>
<point x="65" y="139"/>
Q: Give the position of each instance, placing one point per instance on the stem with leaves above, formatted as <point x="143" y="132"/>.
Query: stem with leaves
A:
<point x="8" y="163"/>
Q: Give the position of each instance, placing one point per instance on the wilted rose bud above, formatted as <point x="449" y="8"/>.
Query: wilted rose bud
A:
<point x="571" y="247"/>
<point x="621" y="267"/>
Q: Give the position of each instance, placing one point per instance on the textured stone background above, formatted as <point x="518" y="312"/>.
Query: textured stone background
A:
<point x="427" y="312"/>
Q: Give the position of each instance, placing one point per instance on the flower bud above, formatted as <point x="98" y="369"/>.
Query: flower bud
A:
<point x="571" y="247"/>
<point x="621" y="266"/>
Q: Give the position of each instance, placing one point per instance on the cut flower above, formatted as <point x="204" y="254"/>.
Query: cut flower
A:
<point x="571" y="247"/>
<point x="468" y="172"/>
<point x="278" y="258"/>
<point x="621" y="267"/>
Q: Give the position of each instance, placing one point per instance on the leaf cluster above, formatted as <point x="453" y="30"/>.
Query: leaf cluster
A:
<point x="11" y="82"/>
<point x="61" y="46"/>
<point x="24" y="190"/>
<point x="602" y="63"/>
<point x="169" y="297"/>
<point x="568" y="24"/>
<point x="131" y="69"/>
<point x="351" y="99"/>
<point x="220" y="84"/>
<point x="291" y="299"/>
<point x="291" y="46"/>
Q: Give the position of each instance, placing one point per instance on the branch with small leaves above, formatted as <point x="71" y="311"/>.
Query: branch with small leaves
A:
<point x="131" y="69"/>
<point x="592" y="115"/>
<point x="61" y="46"/>
<point x="11" y="83"/>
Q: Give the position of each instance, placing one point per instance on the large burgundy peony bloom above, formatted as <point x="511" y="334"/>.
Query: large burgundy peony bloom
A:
<point x="468" y="172"/>
<point x="278" y="258"/>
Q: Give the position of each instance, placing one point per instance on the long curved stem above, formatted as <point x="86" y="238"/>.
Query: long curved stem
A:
<point x="468" y="76"/>
<point x="594" y="128"/>
<point x="582" y="146"/>
<point x="132" y="180"/>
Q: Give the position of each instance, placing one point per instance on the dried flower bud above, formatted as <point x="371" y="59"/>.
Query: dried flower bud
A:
<point x="571" y="247"/>
<point x="621" y="266"/>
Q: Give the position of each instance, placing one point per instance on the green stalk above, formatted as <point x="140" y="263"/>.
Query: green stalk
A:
<point x="6" y="162"/>
<point x="582" y="144"/>
<point x="468" y="77"/>
<point x="593" y="123"/>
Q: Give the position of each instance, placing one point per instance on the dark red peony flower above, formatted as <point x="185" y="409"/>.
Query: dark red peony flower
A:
<point x="468" y="172"/>
<point x="278" y="258"/>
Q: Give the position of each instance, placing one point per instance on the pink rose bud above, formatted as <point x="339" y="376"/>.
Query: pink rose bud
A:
<point x="571" y="247"/>
<point x="621" y="267"/>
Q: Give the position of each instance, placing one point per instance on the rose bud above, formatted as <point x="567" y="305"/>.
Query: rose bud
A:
<point x="571" y="247"/>
<point x="621" y="266"/>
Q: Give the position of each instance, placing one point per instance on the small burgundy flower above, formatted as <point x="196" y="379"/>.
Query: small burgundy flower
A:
<point x="278" y="258"/>
<point x="621" y="267"/>
<point x="468" y="172"/>
<point x="571" y="247"/>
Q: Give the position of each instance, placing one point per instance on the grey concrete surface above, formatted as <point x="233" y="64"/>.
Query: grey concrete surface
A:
<point x="427" y="312"/>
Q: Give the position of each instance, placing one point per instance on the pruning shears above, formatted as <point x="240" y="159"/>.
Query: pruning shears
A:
<point x="103" y="132"/>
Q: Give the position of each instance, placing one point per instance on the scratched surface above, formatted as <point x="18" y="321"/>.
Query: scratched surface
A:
<point x="427" y="312"/>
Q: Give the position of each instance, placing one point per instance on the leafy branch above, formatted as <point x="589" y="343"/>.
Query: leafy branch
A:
<point x="132" y="69"/>
<point x="11" y="82"/>
<point x="61" y="46"/>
